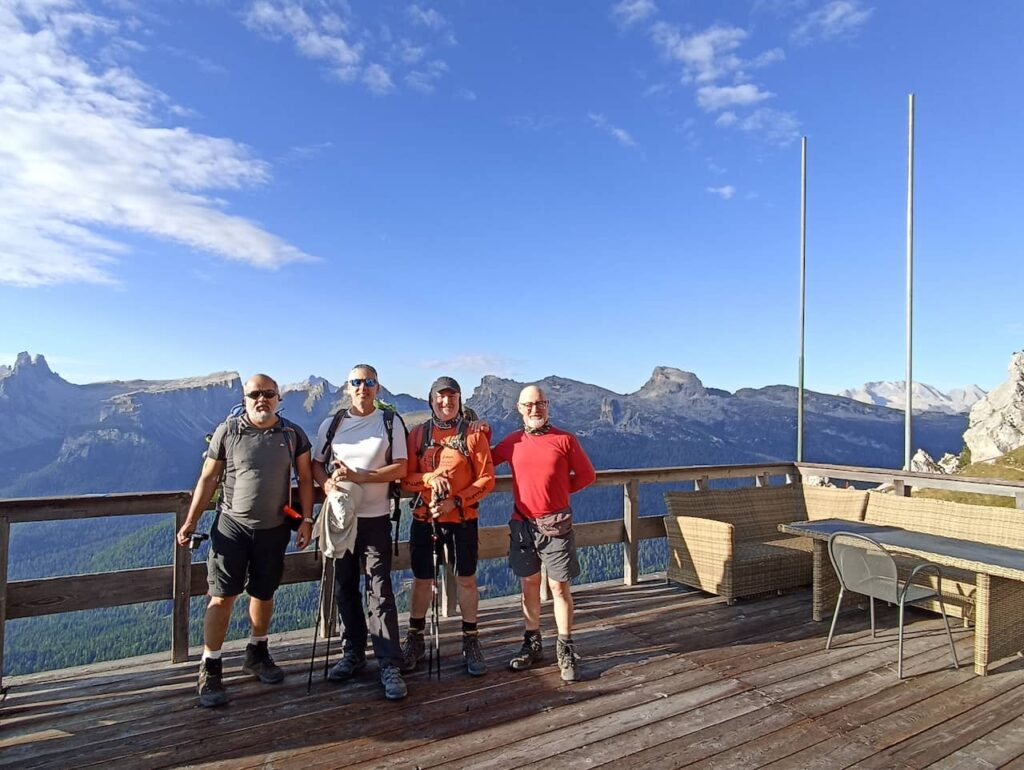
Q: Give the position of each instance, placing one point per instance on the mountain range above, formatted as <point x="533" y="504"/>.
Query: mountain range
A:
<point x="64" y="438"/>
<point x="924" y="398"/>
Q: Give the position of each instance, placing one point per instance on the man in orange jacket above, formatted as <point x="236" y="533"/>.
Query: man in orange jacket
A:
<point x="450" y="472"/>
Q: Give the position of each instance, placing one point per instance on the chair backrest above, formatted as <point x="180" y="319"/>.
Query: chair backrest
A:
<point x="754" y="512"/>
<point x="864" y="566"/>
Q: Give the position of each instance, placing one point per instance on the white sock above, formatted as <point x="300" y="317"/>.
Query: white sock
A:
<point x="208" y="653"/>
<point x="257" y="639"/>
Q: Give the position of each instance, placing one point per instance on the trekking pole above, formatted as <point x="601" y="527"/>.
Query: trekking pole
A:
<point x="319" y="615"/>
<point x="435" y="606"/>
<point x="330" y="618"/>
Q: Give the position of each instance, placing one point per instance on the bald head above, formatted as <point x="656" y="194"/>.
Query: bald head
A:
<point x="533" y="406"/>
<point x="262" y="397"/>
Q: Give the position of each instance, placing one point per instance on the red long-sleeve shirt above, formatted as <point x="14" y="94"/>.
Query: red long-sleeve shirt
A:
<point x="546" y="469"/>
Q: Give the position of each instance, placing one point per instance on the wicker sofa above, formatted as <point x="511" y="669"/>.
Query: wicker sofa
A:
<point x="727" y="542"/>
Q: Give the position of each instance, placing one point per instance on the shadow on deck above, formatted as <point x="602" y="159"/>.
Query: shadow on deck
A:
<point x="672" y="677"/>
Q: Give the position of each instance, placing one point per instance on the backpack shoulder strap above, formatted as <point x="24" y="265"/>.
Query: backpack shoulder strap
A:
<point x="327" y="451"/>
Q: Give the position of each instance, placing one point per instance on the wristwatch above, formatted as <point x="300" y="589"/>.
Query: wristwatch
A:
<point x="308" y="519"/>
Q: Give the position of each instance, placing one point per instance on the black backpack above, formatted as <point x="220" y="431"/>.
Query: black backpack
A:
<point x="394" y="487"/>
<point x="234" y="423"/>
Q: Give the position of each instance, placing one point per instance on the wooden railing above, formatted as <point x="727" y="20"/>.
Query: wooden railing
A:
<point x="183" y="579"/>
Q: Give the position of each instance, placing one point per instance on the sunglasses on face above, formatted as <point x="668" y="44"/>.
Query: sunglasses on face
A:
<point x="267" y="394"/>
<point x="355" y="382"/>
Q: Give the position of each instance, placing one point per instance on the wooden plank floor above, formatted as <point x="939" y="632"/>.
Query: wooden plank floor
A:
<point x="672" y="678"/>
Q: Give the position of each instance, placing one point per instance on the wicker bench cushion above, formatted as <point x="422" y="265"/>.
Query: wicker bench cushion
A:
<point x="979" y="523"/>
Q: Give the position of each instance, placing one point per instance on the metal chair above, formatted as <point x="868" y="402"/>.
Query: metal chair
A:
<point x="865" y="567"/>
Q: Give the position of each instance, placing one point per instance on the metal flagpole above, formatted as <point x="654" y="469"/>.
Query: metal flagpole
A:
<point x="803" y="274"/>
<point x="910" y="286"/>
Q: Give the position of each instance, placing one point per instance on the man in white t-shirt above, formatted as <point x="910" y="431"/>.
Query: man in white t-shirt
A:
<point x="358" y="453"/>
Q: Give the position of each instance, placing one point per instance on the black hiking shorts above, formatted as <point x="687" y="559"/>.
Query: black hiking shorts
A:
<point x="243" y="558"/>
<point x="460" y="547"/>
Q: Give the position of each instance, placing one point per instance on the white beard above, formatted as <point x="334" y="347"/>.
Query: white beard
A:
<point x="535" y="423"/>
<point x="261" y="418"/>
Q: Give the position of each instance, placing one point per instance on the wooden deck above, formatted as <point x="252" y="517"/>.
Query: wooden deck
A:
<point x="673" y="678"/>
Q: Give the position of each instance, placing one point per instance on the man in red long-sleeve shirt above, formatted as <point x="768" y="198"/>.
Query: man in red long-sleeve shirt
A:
<point x="547" y="465"/>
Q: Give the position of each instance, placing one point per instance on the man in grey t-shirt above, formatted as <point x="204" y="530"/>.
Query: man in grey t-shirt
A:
<point x="256" y="452"/>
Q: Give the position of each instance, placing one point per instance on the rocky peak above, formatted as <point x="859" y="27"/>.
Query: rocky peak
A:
<point x="27" y="365"/>
<point x="666" y="380"/>
<point x="997" y="421"/>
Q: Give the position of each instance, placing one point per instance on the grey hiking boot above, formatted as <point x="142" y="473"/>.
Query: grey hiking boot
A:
<point x="473" y="655"/>
<point x="351" y="663"/>
<point x="394" y="685"/>
<point x="414" y="649"/>
<point x="568" y="660"/>
<point x="531" y="652"/>
<point x="211" y="688"/>
<point x="259" y="663"/>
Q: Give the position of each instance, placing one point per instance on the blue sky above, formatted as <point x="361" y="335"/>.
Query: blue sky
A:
<point x="517" y="188"/>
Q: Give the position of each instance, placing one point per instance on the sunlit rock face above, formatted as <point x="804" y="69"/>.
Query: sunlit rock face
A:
<point x="997" y="421"/>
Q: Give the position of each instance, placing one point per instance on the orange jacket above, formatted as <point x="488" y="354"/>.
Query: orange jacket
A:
<point x="471" y="478"/>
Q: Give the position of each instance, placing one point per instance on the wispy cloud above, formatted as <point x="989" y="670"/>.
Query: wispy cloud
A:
<point x="533" y="122"/>
<point x="629" y="12"/>
<point x="306" y="151"/>
<point x="465" y="94"/>
<point x="715" y="98"/>
<point x="206" y="65"/>
<point x="836" y="19"/>
<point x="379" y="59"/>
<point x="725" y="192"/>
<point x="727" y="118"/>
<point x="472" y="363"/>
<point x="622" y="136"/>
<point x="776" y="127"/>
<point x="706" y="56"/>
<point x="83" y="155"/>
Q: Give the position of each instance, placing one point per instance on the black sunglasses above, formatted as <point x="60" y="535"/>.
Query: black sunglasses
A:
<point x="267" y="394"/>
<point x="357" y="381"/>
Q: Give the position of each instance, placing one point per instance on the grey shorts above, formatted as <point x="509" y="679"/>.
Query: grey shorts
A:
<point x="528" y="549"/>
<point x="242" y="558"/>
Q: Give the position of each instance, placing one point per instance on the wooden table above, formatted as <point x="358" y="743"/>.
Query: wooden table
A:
<point x="999" y="601"/>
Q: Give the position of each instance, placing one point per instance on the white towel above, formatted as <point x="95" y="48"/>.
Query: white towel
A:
<point x="336" y="525"/>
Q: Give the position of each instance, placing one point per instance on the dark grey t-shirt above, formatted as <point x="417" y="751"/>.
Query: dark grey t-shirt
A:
<point x="258" y="467"/>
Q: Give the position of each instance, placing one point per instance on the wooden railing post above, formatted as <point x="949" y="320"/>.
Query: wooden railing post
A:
<point x="631" y="545"/>
<point x="761" y="480"/>
<point x="5" y="541"/>
<point x="181" y="559"/>
<point x="901" y="488"/>
<point x="1019" y="500"/>
<point x="702" y="484"/>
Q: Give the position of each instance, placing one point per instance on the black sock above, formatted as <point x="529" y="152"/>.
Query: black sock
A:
<point x="468" y="628"/>
<point x="418" y="625"/>
<point x="565" y="638"/>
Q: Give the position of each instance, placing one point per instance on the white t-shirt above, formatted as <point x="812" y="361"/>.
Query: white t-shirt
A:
<point x="362" y="444"/>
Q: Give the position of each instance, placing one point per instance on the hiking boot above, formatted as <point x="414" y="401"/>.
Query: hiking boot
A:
<point x="531" y="652"/>
<point x="568" y="660"/>
<point x="259" y="663"/>
<point x="473" y="655"/>
<point x="211" y="688"/>
<point x="394" y="685"/>
<point x="350" y="664"/>
<point x="414" y="649"/>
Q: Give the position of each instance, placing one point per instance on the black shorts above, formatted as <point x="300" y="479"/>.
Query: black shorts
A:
<point x="461" y="548"/>
<point x="242" y="558"/>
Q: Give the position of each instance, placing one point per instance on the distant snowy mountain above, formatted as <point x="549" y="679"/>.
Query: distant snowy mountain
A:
<point x="924" y="397"/>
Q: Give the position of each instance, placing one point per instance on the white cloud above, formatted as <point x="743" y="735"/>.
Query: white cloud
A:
<point x="377" y="79"/>
<point x="836" y="19"/>
<point x="477" y="363"/>
<point x="622" y="136"/>
<point x="376" y="59"/>
<point x="629" y="12"/>
<point x="466" y="94"/>
<point x="425" y="80"/>
<point x="727" y="118"/>
<point x="714" y="98"/>
<point x="725" y="192"/>
<point x="315" y="37"/>
<point x="706" y="56"/>
<point x="774" y="126"/>
<point x="533" y="123"/>
<point x="427" y="17"/>
<point x="82" y="155"/>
